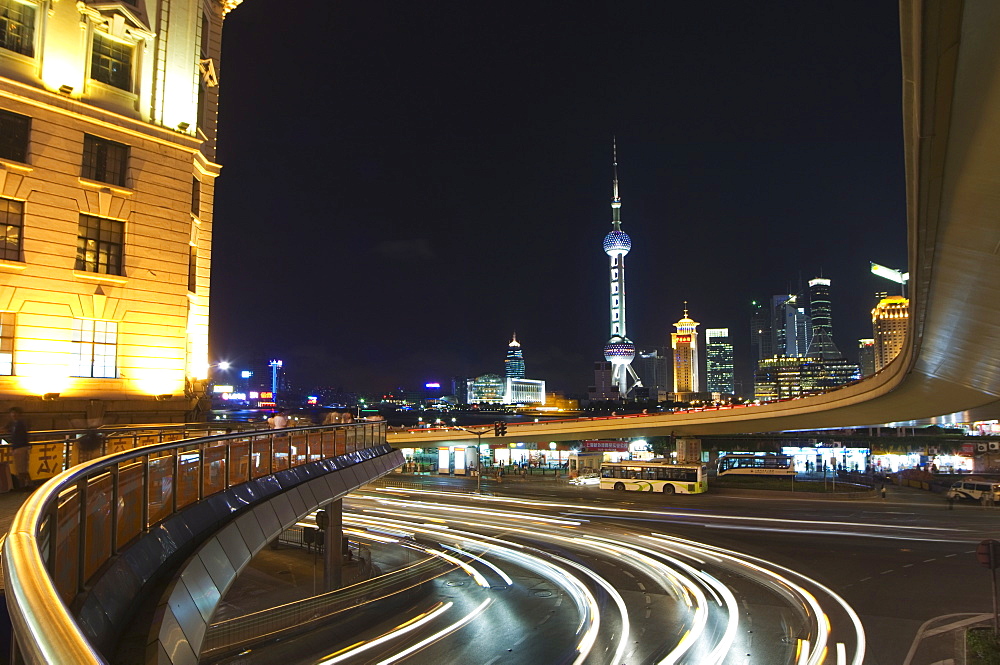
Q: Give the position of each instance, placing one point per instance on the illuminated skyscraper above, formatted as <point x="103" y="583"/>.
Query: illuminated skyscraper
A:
<point x="719" y="374"/>
<point x="890" y="319"/>
<point x="790" y="330"/>
<point x="107" y="138"/>
<point x="821" y="344"/>
<point x="684" y="343"/>
<point x="619" y="350"/>
<point x="514" y="362"/>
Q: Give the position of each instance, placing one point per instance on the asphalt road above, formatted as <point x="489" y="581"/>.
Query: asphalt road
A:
<point x="579" y="575"/>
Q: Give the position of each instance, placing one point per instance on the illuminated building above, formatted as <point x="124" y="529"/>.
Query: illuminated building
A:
<point x="866" y="356"/>
<point x="619" y="351"/>
<point x="791" y="331"/>
<point x="107" y="171"/>
<point x="524" y="391"/>
<point x="510" y="389"/>
<point x="514" y="362"/>
<point x="785" y="377"/>
<point x="890" y="319"/>
<point x="495" y="389"/>
<point x="684" y="343"/>
<point x="821" y="343"/>
<point x="719" y="372"/>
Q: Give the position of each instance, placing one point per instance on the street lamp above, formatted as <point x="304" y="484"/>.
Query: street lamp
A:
<point x="479" y="455"/>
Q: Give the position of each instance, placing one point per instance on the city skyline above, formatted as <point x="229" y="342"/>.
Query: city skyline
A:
<point x="398" y="230"/>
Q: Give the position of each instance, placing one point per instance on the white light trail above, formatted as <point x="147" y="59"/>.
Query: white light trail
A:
<point x="402" y="629"/>
<point x="438" y="635"/>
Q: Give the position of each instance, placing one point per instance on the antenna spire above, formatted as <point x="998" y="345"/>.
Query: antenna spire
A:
<point x="616" y="202"/>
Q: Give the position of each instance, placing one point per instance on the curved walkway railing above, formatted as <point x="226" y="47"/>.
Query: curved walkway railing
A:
<point x="76" y="522"/>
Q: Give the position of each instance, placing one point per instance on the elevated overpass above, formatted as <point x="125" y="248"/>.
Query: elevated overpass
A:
<point x="951" y="110"/>
<point x="951" y="362"/>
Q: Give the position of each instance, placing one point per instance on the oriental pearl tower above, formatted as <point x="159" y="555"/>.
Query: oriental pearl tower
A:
<point x="619" y="350"/>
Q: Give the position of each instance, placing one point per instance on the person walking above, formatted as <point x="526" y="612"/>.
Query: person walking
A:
<point x="17" y="437"/>
<point x="883" y="491"/>
<point x="279" y="420"/>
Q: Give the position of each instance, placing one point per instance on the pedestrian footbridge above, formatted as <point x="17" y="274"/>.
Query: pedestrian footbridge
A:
<point x="124" y="558"/>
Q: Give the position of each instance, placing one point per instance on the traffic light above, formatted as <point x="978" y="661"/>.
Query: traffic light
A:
<point x="496" y="428"/>
<point x="500" y="428"/>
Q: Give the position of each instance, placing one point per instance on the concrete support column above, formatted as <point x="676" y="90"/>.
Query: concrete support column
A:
<point x="333" y="556"/>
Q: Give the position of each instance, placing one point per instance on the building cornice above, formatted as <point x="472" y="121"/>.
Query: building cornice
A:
<point x="79" y="110"/>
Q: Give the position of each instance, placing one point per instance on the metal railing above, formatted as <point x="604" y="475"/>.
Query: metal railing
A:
<point x="70" y="527"/>
<point x="297" y="616"/>
<point x="52" y="451"/>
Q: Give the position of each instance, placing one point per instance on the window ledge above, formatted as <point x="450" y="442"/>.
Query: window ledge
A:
<point x="98" y="277"/>
<point x="11" y="265"/>
<point x="97" y="184"/>
<point x="15" y="166"/>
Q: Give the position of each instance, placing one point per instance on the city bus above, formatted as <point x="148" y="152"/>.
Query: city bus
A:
<point x="654" y="476"/>
<point x="749" y="464"/>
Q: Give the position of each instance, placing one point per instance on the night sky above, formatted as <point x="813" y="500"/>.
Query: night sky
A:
<point x="405" y="184"/>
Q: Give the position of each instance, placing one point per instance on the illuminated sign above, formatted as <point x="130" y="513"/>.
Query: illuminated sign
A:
<point x="684" y="339"/>
<point x="222" y="389"/>
<point x="267" y="395"/>
<point x="606" y="446"/>
<point x="432" y="385"/>
<point x="246" y="374"/>
<point x="890" y="274"/>
<point x="254" y="395"/>
<point x="312" y="400"/>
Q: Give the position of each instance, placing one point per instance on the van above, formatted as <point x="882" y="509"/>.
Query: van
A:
<point x="975" y="490"/>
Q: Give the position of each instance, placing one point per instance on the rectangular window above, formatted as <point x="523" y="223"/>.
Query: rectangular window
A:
<point x="14" y="136"/>
<point x="96" y="348"/>
<point x="17" y="27"/>
<point x="11" y="225"/>
<point x="6" y="343"/>
<point x="192" y="268"/>
<point x="195" y="197"/>
<point x="99" y="245"/>
<point x="205" y="28"/>
<point x="104" y="160"/>
<point x="111" y="62"/>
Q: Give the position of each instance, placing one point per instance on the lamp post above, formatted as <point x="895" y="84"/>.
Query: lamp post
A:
<point x="479" y="455"/>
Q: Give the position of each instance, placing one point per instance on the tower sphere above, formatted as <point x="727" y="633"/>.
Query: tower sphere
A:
<point x="617" y="242"/>
<point x="619" y="350"/>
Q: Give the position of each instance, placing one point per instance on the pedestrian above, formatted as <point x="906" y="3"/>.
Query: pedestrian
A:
<point x="883" y="491"/>
<point x="279" y="420"/>
<point x="951" y="501"/>
<point x="17" y="437"/>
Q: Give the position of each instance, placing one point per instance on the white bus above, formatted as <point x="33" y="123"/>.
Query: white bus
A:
<point x="756" y="465"/>
<point x="654" y="476"/>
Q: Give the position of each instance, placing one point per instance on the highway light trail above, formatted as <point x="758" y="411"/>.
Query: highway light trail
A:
<point x="667" y="600"/>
